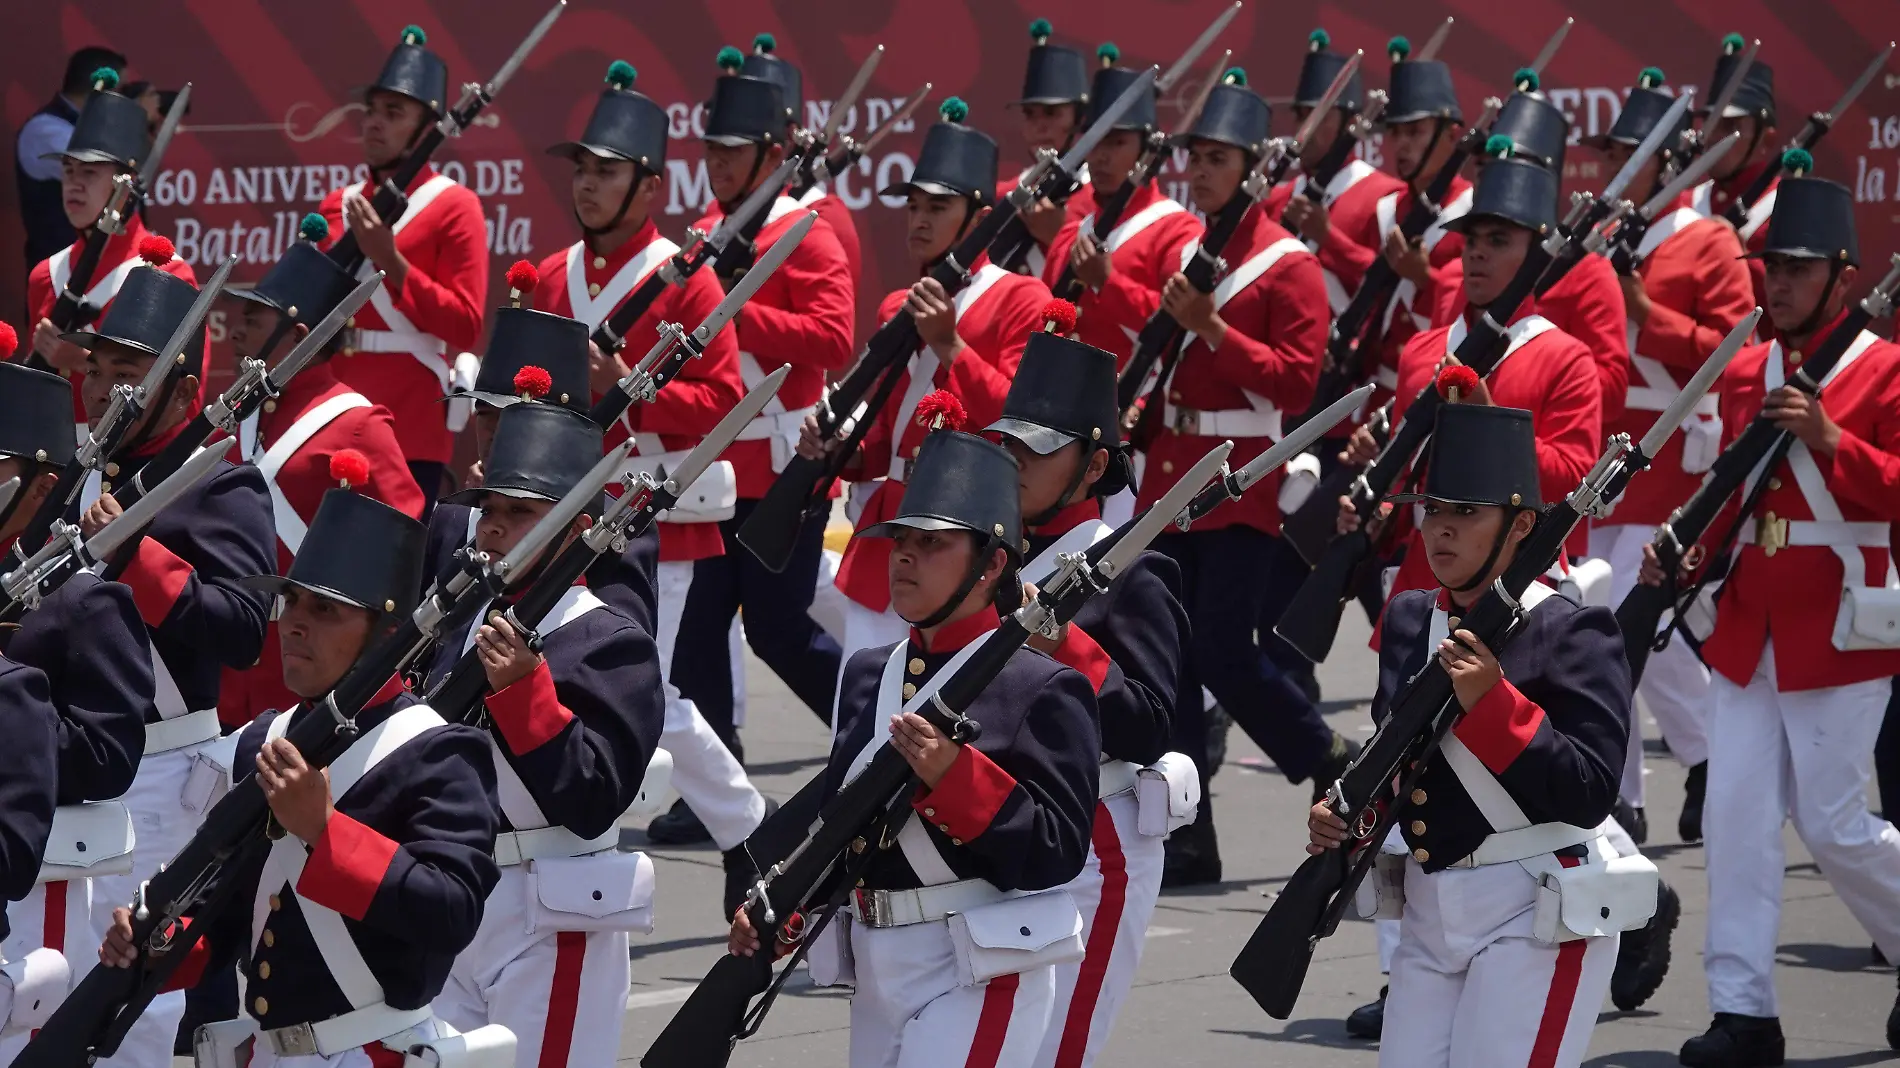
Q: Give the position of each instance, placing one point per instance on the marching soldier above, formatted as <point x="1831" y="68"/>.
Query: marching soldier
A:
<point x="1253" y="353"/>
<point x="109" y="139"/>
<point x="1060" y="425"/>
<point x="1001" y="823"/>
<point x="28" y="785"/>
<point x="765" y="62"/>
<point x="571" y="725"/>
<point x="1539" y="749"/>
<point x="1798" y="693"/>
<point x="972" y="344"/>
<point x="299" y="436"/>
<point x="435" y="255"/>
<point x="396" y="837"/>
<point x="1751" y="112"/>
<point x="1055" y="90"/>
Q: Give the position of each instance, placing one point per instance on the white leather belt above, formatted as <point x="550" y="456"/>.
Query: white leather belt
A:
<point x="901" y="908"/>
<point x="340" y="1034"/>
<point x="516" y="847"/>
<point x="1770" y="533"/>
<point x="390" y="341"/>
<point x="784" y="424"/>
<point x="1118" y="777"/>
<point x="1226" y="423"/>
<point x="898" y="468"/>
<point x="181" y="731"/>
<point x="1509" y="847"/>
<point x="1645" y="399"/>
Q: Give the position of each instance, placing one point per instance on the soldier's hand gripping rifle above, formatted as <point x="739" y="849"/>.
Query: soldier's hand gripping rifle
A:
<point x="94" y="1018"/>
<point x="127" y="406"/>
<point x="1760" y="447"/>
<point x="70" y="311"/>
<point x="1812" y="131"/>
<point x="818" y="153"/>
<point x="846" y="412"/>
<point x="391" y="198"/>
<point x="1374" y="793"/>
<point x="721" y="1011"/>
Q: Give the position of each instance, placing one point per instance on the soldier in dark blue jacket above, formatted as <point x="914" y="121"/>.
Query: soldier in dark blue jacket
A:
<point x="572" y="729"/>
<point x="1521" y="787"/>
<point x="347" y="927"/>
<point x="1059" y="424"/>
<point x="28" y="781"/>
<point x="1009" y="812"/>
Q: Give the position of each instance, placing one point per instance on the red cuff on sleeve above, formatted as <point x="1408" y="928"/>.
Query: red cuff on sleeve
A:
<point x="346" y="867"/>
<point x="1081" y="652"/>
<point x="968" y="796"/>
<point x="528" y="712"/>
<point x="156" y="577"/>
<point x="1500" y="727"/>
<point x="192" y="968"/>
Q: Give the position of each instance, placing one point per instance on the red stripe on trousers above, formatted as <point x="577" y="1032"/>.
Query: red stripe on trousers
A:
<point x="53" y="933"/>
<point x="564" y="998"/>
<point x="1108" y="920"/>
<point x="992" y="1024"/>
<point x="1563" y="994"/>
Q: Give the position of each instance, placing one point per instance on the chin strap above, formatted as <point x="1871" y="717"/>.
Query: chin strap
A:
<point x="1749" y="153"/>
<point x="1439" y="125"/>
<point x="620" y="216"/>
<point x="752" y="176"/>
<point x="969" y="218"/>
<point x="978" y="564"/>
<point x="1483" y="574"/>
<point x="1068" y="492"/>
<point x="1820" y="313"/>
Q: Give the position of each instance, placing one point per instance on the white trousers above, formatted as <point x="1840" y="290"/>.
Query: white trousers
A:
<point x="563" y="994"/>
<point x="863" y="629"/>
<point x="1675" y="685"/>
<point x="1774" y="756"/>
<point x="55" y="916"/>
<point x="909" y="1012"/>
<point x="1472" y="988"/>
<point x="705" y="772"/>
<point x="1116" y="894"/>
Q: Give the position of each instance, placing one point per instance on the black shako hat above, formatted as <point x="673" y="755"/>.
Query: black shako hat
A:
<point x="745" y="111"/>
<point x="150" y="305"/>
<point x="1064" y="391"/>
<point x="1515" y="190"/>
<point x="540" y="452"/>
<point x="1644" y="108"/>
<point x="1109" y="85"/>
<point x="524" y="337"/>
<point x="415" y="72"/>
<point x="304" y="284"/>
<point x="1233" y="115"/>
<point x="764" y="62"/>
<point x="1421" y="89"/>
<point x="624" y="125"/>
<point x="1481" y="454"/>
<point x="36" y="415"/>
<point x="110" y="128"/>
<point x="956" y="160"/>
<point x="1755" y="97"/>
<point x="1055" y="74"/>
<point x="1318" y="69"/>
<point x="359" y="551"/>
<point x="1536" y="127"/>
<point x="961" y="482"/>
<point x="1814" y="220"/>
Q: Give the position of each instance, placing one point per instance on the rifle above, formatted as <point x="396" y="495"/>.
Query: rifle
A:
<point x="1693" y="142"/>
<point x="852" y="150"/>
<point x="1760" y="446"/>
<point x="70" y="311"/>
<point x="128" y="404"/>
<point x="1162" y="338"/>
<point x="1631" y="231"/>
<point x="817" y="154"/>
<point x="94" y="1018"/>
<point x="391" y="199"/>
<point x="843" y="414"/>
<point x="719" y="1012"/>
<point x="1375" y="790"/>
<point x="1812" y="131"/>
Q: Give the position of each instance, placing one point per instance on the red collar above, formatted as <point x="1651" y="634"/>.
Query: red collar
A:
<point x="617" y="257"/>
<point x="1069" y="518"/>
<point x="427" y="172"/>
<point x="312" y="382"/>
<point x="151" y="446"/>
<point x="958" y="633"/>
<point x="1820" y="333"/>
<point x="1525" y="309"/>
<point x="119" y="247"/>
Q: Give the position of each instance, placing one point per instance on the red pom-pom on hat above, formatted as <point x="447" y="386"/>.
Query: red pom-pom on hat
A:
<point x="1058" y="317"/>
<point x="1457" y="377"/>
<point x="522" y="280"/>
<point x="9" y="341"/>
<point x="349" y="468"/>
<point x="941" y="411"/>
<point x="156" y="250"/>
<point x="533" y="383"/>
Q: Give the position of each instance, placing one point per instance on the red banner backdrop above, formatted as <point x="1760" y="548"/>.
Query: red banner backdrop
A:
<point x="273" y="118"/>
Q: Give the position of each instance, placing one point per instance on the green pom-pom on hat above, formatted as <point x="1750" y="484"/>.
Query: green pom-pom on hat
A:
<point x="412" y="35"/>
<point x="1234" y="76"/>
<point x="1318" y="40"/>
<point x="1797" y="161"/>
<point x="765" y="44"/>
<point x="1649" y="77"/>
<point x="1734" y="43"/>
<point x="621" y="75"/>
<point x="1526" y="79"/>
<point x="1041" y="30"/>
<point x="1108" y="52"/>
<point x="1499" y="146"/>
<point x="1398" y="48"/>
<point x="731" y="59"/>
<point x="105" y="78"/>
<point x="313" y="228"/>
<point x="953" y="110"/>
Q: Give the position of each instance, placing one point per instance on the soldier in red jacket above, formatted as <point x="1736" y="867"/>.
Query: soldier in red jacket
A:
<point x="1801" y="676"/>
<point x="403" y="349"/>
<point x="1750" y="112"/>
<point x="1055" y="90"/>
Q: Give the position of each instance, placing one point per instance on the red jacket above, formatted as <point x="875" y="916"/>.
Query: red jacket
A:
<point x="1713" y="198"/>
<point x="1269" y="361"/>
<point x="1790" y="594"/>
<point x="995" y="317"/>
<point x="833" y="213"/>
<point x="121" y="251"/>
<point x="445" y="242"/>
<point x="1354" y="239"/>
<point x="1412" y="307"/>
<point x="801" y="316"/>
<point x="303" y="479"/>
<point x="1145" y="251"/>
<point x="692" y="403"/>
<point x="1080" y="203"/>
<point x="1698" y="290"/>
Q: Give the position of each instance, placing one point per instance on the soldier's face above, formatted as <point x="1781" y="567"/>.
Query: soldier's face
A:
<point x="84" y="189"/>
<point x="1215" y="171"/>
<point x="1493" y="252"/>
<point x="1323" y="135"/>
<point x="505" y="521"/>
<point x="1458" y="538"/>
<point x="390" y="120"/>
<point x="1409" y="142"/>
<point x="251" y="328"/>
<point x="1111" y="160"/>
<point x="1739" y="155"/>
<point x="600" y="187"/>
<point x="111" y="364"/>
<point x="729" y="169"/>
<point x="1049" y="125"/>
<point x="1617" y="153"/>
<point x="1794" y="287"/>
<point x="927" y="567"/>
<point x="1040" y="480"/>
<point x="321" y="638"/>
<point x="931" y="224"/>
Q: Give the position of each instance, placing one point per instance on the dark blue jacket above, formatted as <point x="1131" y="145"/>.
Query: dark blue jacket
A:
<point x="28" y="778"/>
<point x="627" y="582"/>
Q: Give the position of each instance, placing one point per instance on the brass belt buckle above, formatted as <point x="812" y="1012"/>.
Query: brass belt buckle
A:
<point x="1771" y="534"/>
<point x="1187" y="422"/>
<point x="298" y="1040"/>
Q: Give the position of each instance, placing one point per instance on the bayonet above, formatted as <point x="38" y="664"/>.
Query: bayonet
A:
<point x="850" y="98"/>
<point x="1847" y="99"/>
<point x="857" y="150"/>
<point x="1734" y="82"/>
<point x="1699" y="385"/>
<point x="1550" y="48"/>
<point x="1230" y="486"/>
<point x="1201" y="44"/>
<point x="722" y="435"/>
<point x="754" y="203"/>
<point x="1326" y="102"/>
<point x="1690" y="177"/>
<point x="155" y="159"/>
<point x="306" y="350"/>
<point x="553" y="525"/>
<point x="1649" y="146"/>
<point x="1437" y="41"/>
<point x="1071" y="163"/>
<point x="521" y="53"/>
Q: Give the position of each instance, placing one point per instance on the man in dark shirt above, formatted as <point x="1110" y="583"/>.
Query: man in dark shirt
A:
<point x="46" y="131"/>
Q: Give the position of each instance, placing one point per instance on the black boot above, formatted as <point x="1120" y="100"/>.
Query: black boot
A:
<point x="1642" y="959"/>
<point x="1632" y="820"/>
<point x="1368" y="1020"/>
<point x="1333" y="765"/>
<point x="1191" y="855"/>
<point x="1893" y="1024"/>
<point x="1218" y="724"/>
<point x="677" y="827"/>
<point x="1689" y="824"/>
<point x="1736" y="1041"/>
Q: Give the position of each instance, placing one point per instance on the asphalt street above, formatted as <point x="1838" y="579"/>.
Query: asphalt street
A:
<point x="1186" y="1011"/>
